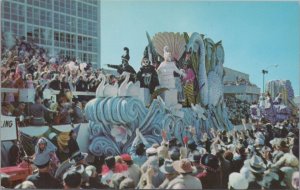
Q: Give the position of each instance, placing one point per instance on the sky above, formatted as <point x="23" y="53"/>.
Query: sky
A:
<point x="255" y="35"/>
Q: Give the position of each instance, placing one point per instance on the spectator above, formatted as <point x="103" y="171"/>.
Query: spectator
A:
<point x="78" y="116"/>
<point x="25" y="185"/>
<point x="72" y="180"/>
<point x="133" y="171"/>
<point x="43" y="179"/>
<point x="72" y="143"/>
<point x="5" y="181"/>
<point x="185" y="180"/>
<point x="37" y="111"/>
<point x="55" y="83"/>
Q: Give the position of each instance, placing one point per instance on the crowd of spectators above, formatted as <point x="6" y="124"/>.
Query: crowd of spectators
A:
<point x="262" y="156"/>
<point x="237" y="110"/>
<point x="28" y="66"/>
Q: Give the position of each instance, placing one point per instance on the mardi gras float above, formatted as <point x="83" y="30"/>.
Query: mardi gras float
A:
<point x="277" y="104"/>
<point x="185" y="89"/>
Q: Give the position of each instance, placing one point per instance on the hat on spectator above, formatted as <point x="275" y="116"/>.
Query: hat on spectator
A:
<point x="52" y="135"/>
<point x="209" y="161"/>
<point x="167" y="167"/>
<point x="183" y="166"/>
<point x="237" y="181"/>
<point x="259" y="142"/>
<point x="126" y="157"/>
<point x="174" y="153"/>
<point x="255" y="164"/>
<point x="77" y="157"/>
<point x="151" y="151"/>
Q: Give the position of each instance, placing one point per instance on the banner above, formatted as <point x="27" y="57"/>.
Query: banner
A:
<point x="8" y="128"/>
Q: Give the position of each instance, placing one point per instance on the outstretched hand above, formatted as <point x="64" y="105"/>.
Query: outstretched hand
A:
<point x="164" y="134"/>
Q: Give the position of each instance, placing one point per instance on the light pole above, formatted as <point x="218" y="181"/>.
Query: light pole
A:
<point x="265" y="71"/>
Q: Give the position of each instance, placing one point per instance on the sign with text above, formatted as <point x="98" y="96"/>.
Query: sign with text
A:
<point x="8" y="128"/>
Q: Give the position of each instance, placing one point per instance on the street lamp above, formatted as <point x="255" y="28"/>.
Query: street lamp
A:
<point x="265" y="71"/>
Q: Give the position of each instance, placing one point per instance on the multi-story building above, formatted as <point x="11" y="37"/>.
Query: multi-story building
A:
<point x="63" y="27"/>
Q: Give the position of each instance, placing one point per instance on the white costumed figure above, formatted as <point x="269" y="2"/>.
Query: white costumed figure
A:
<point x="166" y="71"/>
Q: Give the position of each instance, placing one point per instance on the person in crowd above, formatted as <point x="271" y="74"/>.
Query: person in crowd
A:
<point x="64" y="83"/>
<point x="20" y="110"/>
<point x="72" y="180"/>
<point x="43" y="179"/>
<point x="72" y="143"/>
<point x="5" y="181"/>
<point x="55" y="83"/>
<point x="25" y="185"/>
<point x="211" y="176"/>
<point x="133" y="170"/>
<point x="46" y="147"/>
<point x="78" y="116"/>
<point x="93" y="179"/>
<point x="138" y="151"/>
<point x="168" y="170"/>
<point x="15" y="153"/>
<point x="185" y="179"/>
<point x="29" y="82"/>
<point x="37" y="111"/>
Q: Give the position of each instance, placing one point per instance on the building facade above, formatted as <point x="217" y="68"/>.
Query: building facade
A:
<point x="237" y="84"/>
<point x="63" y="27"/>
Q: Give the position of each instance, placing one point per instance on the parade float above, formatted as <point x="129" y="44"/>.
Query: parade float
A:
<point x="277" y="104"/>
<point x="176" y="104"/>
<point x="179" y="86"/>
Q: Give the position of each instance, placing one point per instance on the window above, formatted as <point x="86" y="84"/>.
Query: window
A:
<point x="43" y="3"/>
<point x="73" y="24"/>
<point x="79" y="28"/>
<point x="49" y="4"/>
<point x="79" y="9"/>
<point x="14" y="28"/>
<point x="56" y="38"/>
<point x="21" y="30"/>
<point x="21" y="13"/>
<point x="43" y="18"/>
<point x="62" y="7"/>
<point x="36" y="3"/>
<point x="48" y="36"/>
<point x="6" y="10"/>
<point x="14" y="11"/>
<point x="49" y="19"/>
<point x="62" y="22"/>
<point x="36" y="16"/>
<point x="6" y="26"/>
<point x="94" y="15"/>
<point x="29" y="33"/>
<point x="68" y="23"/>
<point x="36" y="35"/>
<point x="29" y="15"/>
<point x="56" y="5"/>
<point x="62" y="39"/>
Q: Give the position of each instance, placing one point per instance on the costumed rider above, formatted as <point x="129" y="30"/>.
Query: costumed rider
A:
<point x="43" y="148"/>
<point x="188" y="85"/>
<point x="166" y="71"/>
<point x="147" y="75"/>
<point x="125" y="66"/>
